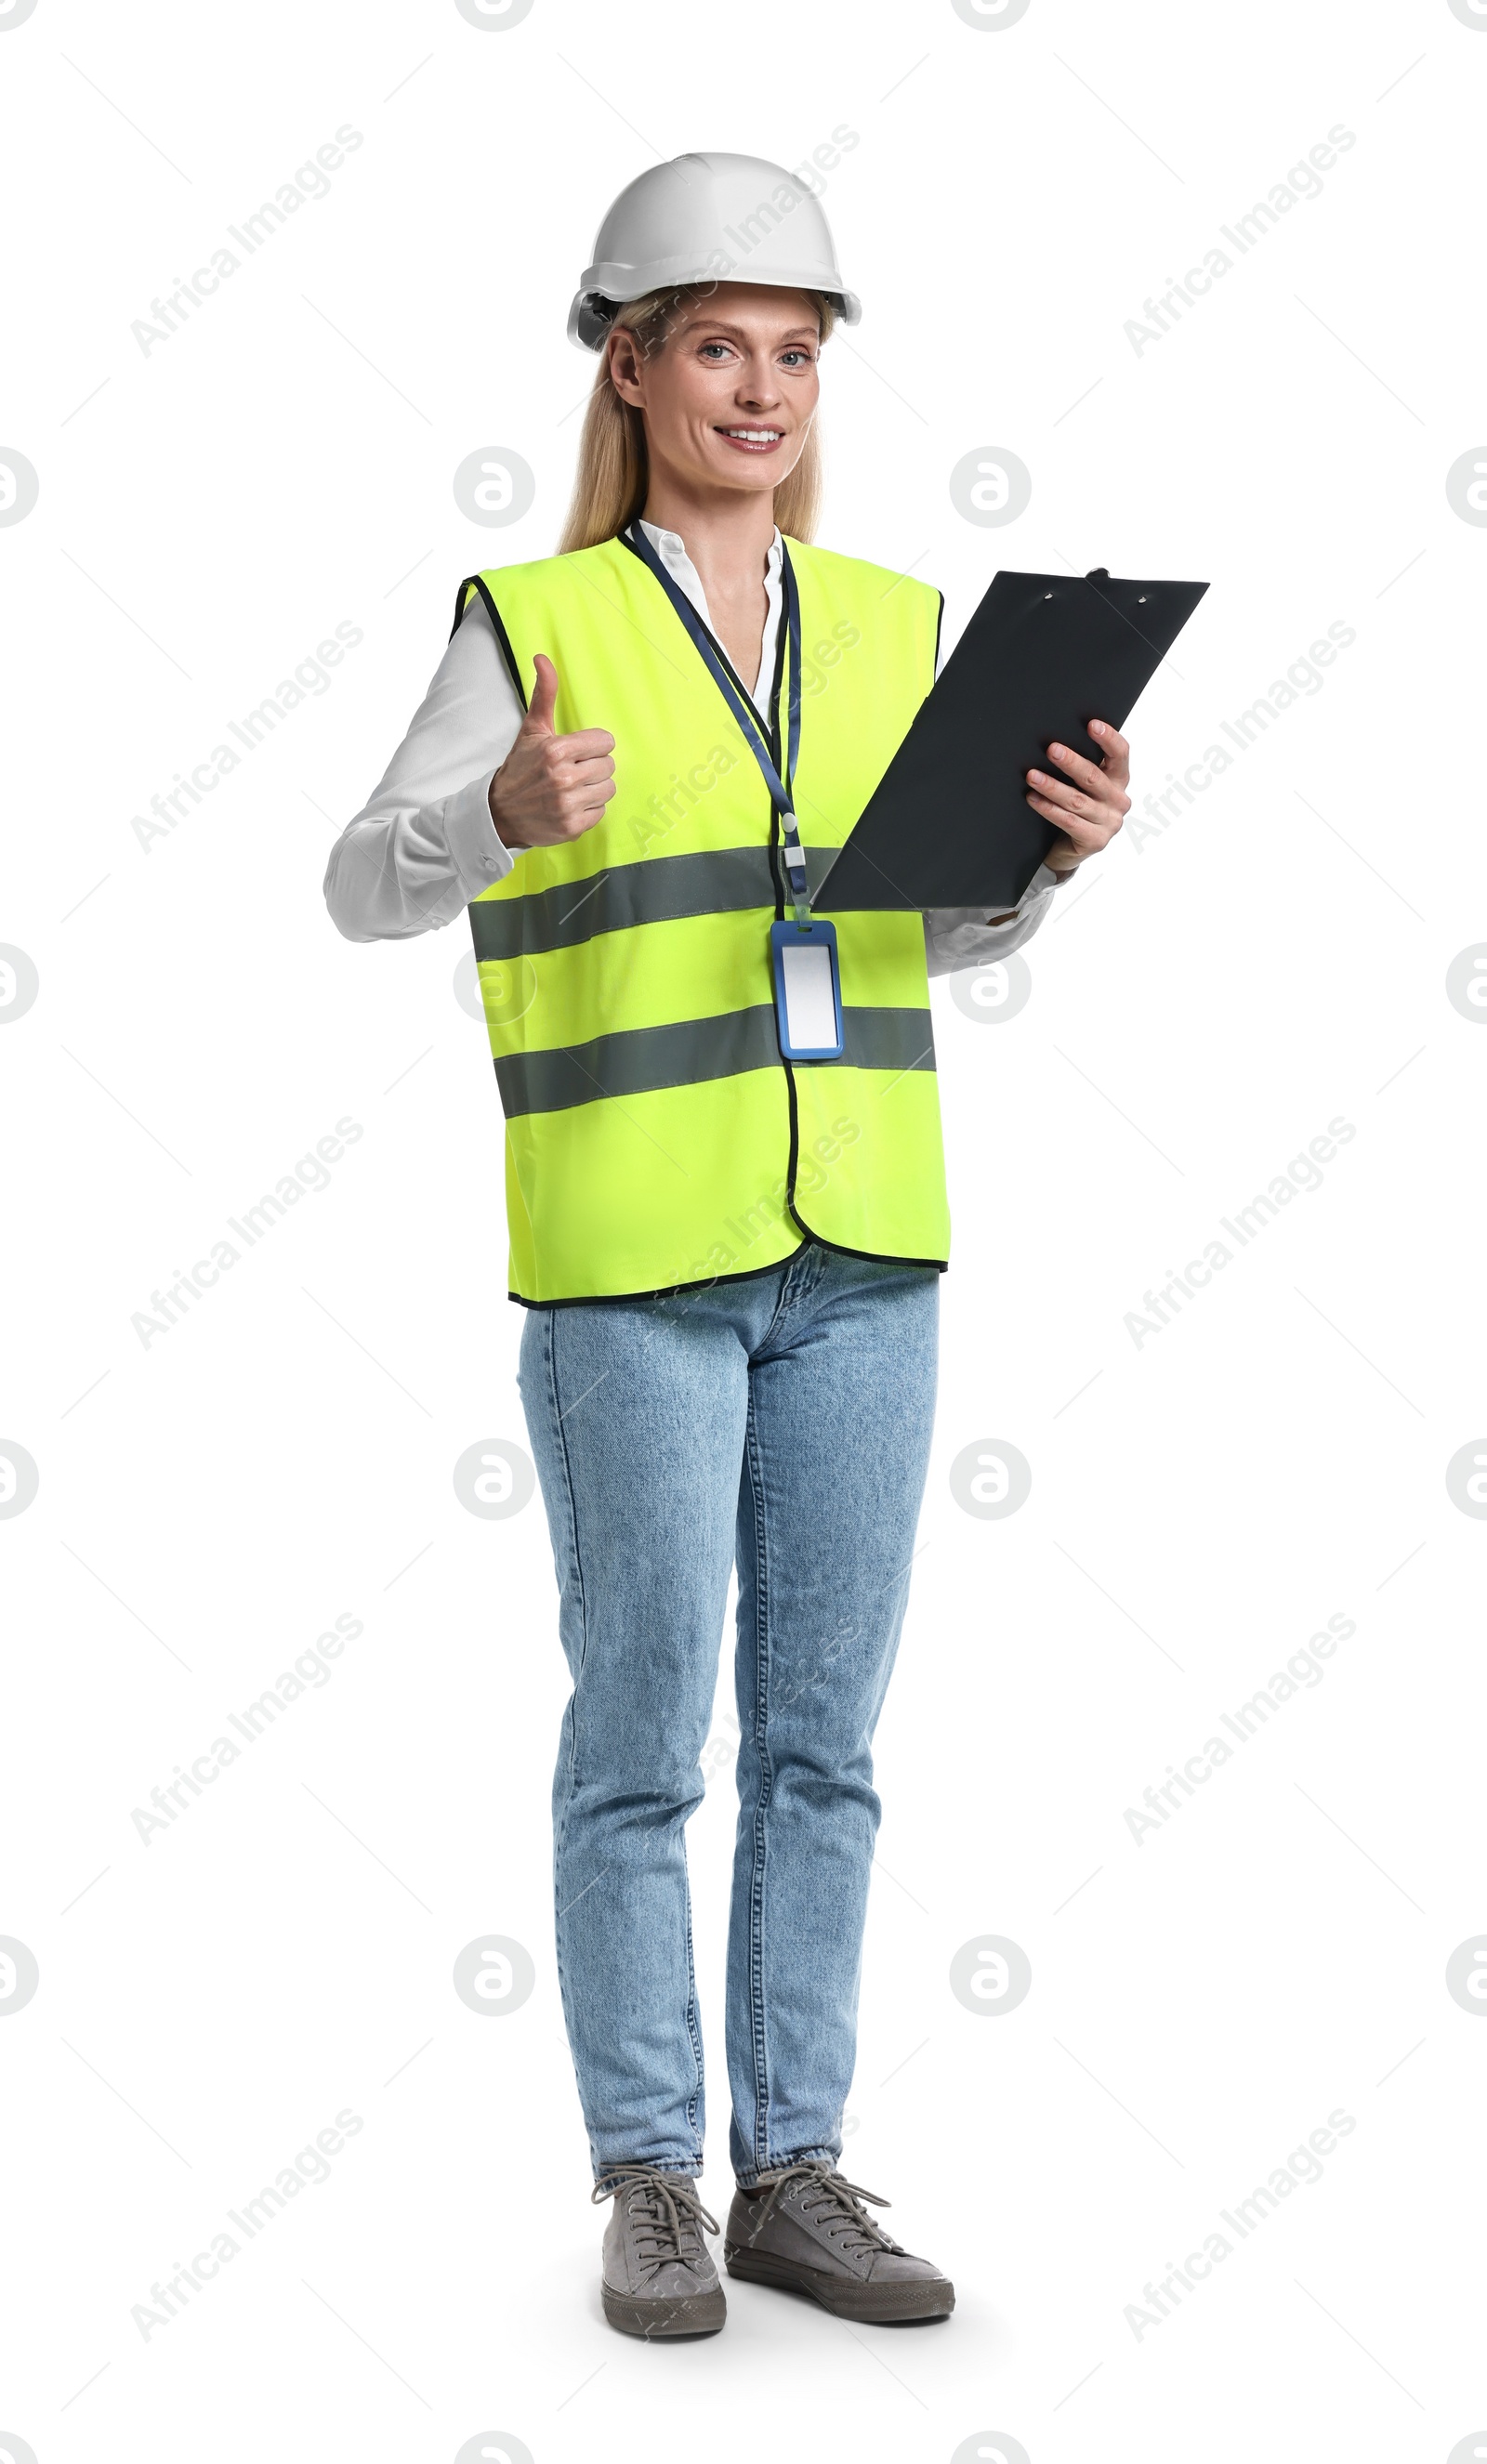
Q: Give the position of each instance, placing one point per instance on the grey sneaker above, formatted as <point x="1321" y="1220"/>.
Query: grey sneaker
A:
<point x="659" y="2276"/>
<point x="807" y="2229"/>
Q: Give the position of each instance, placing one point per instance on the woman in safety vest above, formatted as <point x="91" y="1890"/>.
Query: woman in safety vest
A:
<point x="634" y="759"/>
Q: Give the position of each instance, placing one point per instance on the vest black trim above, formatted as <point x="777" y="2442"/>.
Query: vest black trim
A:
<point x="503" y="639"/>
<point x="743" y="1275"/>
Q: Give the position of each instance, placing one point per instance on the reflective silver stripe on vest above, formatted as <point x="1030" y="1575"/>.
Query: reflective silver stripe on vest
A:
<point x="659" y="891"/>
<point x="640" y="1060"/>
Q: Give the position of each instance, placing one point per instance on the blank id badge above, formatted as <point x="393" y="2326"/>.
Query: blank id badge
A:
<point x="808" y="999"/>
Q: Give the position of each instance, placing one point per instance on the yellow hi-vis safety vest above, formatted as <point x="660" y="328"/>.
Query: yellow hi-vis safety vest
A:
<point x="655" y="1138"/>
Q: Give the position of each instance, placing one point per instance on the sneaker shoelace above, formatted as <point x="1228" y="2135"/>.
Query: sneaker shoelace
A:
<point x="835" y="2205"/>
<point x="666" y="2217"/>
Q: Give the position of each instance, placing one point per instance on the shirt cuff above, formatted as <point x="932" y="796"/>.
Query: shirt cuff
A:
<point x="965" y="936"/>
<point x="476" y="853"/>
<point x="1037" y="888"/>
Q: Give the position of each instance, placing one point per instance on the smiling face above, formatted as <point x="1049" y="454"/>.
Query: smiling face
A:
<point x="728" y="396"/>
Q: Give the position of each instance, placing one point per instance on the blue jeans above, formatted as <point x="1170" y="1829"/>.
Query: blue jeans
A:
<point x="783" y="1422"/>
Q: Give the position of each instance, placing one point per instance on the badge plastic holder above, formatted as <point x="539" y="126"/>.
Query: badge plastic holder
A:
<point x="808" y="999"/>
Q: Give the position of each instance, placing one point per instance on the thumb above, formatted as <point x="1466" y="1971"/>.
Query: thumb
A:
<point x="545" y="695"/>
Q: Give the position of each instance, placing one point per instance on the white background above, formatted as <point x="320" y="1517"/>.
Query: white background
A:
<point x="1201" y="1008"/>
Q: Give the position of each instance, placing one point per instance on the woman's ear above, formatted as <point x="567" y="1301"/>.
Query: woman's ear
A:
<point x="624" y="375"/>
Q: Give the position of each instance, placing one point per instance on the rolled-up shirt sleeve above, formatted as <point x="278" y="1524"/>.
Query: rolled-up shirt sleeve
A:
<point x="424" y="844"/>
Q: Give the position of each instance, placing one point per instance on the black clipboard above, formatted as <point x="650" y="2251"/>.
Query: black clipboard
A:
<point x="949" y="825"/>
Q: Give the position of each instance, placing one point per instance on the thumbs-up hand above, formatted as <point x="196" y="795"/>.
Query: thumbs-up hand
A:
<point x="552" y="788"/>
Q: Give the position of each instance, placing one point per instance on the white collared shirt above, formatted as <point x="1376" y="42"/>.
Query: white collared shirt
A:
<point x="424" y="842"/>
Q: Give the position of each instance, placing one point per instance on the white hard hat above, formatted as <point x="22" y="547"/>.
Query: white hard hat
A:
<point x="708" y="218"/>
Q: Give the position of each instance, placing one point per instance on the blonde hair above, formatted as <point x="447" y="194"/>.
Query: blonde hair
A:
<point x="613" y="467"/>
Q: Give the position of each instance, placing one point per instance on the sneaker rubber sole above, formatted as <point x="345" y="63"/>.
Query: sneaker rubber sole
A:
<point x="695" y="2313"/>
<point x="845" y="2297"/>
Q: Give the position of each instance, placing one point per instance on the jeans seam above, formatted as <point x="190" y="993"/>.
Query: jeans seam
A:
<point x="803" y="1271"/>
<point x="560" y="1828"/>
<point x="759" y="2133"/>
<point x="780" y="1304"/>
<point x="694" y="2099"/>
<point x="818" y="1260"/>
<point x="560" y="1433"/>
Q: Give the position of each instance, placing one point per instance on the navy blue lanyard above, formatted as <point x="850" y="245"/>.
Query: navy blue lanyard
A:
<point x="743" y="709"/>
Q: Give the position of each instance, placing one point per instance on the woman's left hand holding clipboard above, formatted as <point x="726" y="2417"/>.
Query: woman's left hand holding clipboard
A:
<point x="1090" y="811"/>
